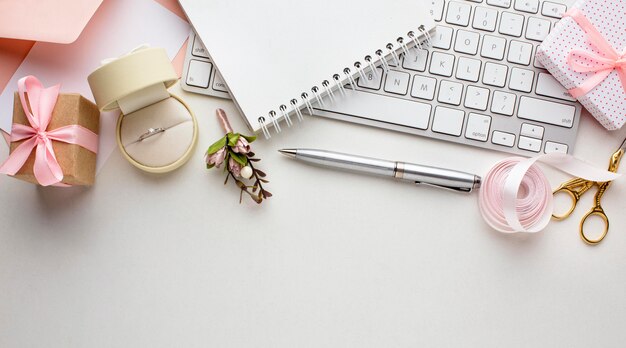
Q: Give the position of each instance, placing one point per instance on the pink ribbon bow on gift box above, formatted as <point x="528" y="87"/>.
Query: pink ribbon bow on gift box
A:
<point x="38" y="110"/>
<point x="602" y="64"/>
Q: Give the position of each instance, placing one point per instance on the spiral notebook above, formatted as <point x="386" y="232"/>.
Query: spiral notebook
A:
<point x="281" y="57"/>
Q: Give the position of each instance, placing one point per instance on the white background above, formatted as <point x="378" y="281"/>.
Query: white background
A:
<point x="332" y="260"/>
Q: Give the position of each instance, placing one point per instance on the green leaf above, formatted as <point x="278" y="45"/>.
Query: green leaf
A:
<point x="239" y="158"/>
<point x="249" y="138"/>
<point x="216" y="146"/>
<point x="232" y="138"/>
<point x="209" y="166"/>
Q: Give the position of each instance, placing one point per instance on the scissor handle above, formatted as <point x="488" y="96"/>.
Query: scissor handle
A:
<point x="575" y="197"/>
<point x="615" y="159"/>
<point x="597" y="211"/>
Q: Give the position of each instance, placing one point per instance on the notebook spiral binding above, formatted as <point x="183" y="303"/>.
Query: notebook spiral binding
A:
<point x="318" y="94"/>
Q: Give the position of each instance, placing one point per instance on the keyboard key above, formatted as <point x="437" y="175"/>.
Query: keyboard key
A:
<point x="436" y="9"/>
<point x="529" y="144"/>
<point x="448" y="121"/>
<point x="511" y="24"/>
<point x="442" y="38"/>
<point x="441" y="64"/>
<point x="199" y="73"/>
<point x="485" y="18"/>
<point x="555" y="147"/>
<point x="495" y="74"/>
<point x="373" y="81"/>
<point x="219" y="84"/>
<point x="493" y="47"/>
<point x="500" y="3"/>
<point x="376" y="107"/>
<point x="477" y="127"/>
<point x="392" y="62"/>
<point x="532" y="131"/>
<point x="553" y="10"/>
<point x="503" y="103"/>
<point x="476" y="98"/>
<point x="466" y="42"/>
<point x="198" y="48"/>
<point x="450" y="92"/>
<point x="397" y="82"/>
<point x="502" y="138"/>
<point x="458" y="13"/>
<point x="546" y="111"/>
<point x="415" y="60"/>
<point x="423" y="87"/>
<point x="468" y="69"/>
<point x="530" y="6"/>
<point x="548" y="86"/>
<point x="520" y="52"/>
<point x="537" y="64"/>
<point x="521" y="80"/>
<point x="537" y="29"/>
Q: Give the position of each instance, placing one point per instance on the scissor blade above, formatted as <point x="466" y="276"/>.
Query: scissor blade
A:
<point x="623" y="146"/>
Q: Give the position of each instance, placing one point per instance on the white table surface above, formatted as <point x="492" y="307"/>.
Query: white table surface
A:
<point x="332" y="260"/>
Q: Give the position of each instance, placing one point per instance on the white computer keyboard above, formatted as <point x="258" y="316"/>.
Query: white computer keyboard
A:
<point x="477" y="84"/>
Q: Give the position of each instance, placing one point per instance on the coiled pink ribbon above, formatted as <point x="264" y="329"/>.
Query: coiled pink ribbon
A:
<point x="602" y="64"/>
<point x="38" y="110"/>
<point x="516" y="196"/>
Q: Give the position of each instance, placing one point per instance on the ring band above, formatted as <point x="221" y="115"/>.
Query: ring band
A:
<point x="151" y="132"/>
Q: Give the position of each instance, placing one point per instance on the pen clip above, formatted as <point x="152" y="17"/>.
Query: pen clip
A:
<point x="450" y="188"/>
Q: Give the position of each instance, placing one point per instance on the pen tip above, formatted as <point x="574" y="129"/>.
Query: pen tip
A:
<point x="289" y="152"/>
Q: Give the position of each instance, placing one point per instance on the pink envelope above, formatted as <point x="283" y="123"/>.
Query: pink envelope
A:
<point x="59" y="21"/>
<point x="13" y="52"/>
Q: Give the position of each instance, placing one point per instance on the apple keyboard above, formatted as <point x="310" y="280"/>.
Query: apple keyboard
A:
<point x="475" y="83"/>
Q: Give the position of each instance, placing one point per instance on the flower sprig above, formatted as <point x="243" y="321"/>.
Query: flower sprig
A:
<point x="234" y="149"/>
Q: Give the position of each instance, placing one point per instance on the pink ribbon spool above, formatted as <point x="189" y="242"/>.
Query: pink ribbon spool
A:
<point x="516" y="196"/>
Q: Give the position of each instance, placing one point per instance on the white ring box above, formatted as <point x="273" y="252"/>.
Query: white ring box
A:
<point x="137" y="85"/>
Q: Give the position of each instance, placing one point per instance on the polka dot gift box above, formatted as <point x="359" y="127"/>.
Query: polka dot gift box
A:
<point x="586" y="53"/>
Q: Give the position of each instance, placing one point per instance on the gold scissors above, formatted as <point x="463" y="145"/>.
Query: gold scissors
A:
<point x="575" y="188"/>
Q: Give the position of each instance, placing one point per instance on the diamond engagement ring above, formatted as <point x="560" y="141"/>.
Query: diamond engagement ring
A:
<point x="151" y="132"/>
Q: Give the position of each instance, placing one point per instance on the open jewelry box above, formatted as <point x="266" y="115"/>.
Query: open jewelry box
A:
<point x="157" y="131"/>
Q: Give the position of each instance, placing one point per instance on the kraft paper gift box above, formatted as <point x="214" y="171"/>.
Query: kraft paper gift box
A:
<point x="593" y="72"/>
<point x="77" y="163"/>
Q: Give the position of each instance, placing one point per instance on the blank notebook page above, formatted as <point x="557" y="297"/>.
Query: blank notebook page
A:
<point x="270" y="52"/>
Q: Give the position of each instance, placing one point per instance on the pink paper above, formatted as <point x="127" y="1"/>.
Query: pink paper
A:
<point x="12" y="54"/>
<point x="59" y="21"/>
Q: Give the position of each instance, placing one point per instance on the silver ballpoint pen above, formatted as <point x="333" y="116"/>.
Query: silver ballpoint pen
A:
<point x="419" y="174"/>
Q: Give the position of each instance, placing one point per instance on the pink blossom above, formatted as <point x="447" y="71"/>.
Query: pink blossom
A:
<point x="234" y="167"/>
<point x="242" y="146"/>
<point x="216" y="158"/>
